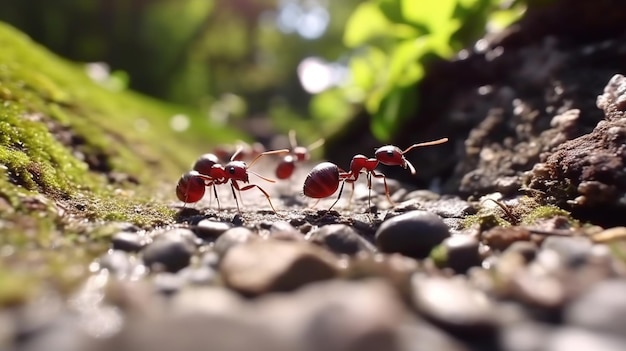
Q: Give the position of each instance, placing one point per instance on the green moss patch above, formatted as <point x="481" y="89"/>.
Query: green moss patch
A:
<point x="74" y="156"/>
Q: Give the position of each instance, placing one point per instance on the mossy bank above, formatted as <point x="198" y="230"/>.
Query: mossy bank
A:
<point x="74" y="155"/>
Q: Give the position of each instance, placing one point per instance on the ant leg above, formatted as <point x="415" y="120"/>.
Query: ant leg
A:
<point x="339" y="196"/>
<point x="233" y="186"/>
<point x="217" y="198"/>
<point x="380" y="175"/>
<point x="248" y="187"/>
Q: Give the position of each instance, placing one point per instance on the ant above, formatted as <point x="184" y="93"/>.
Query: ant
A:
<point x="192" y="185"/>
<point x="324" y="179"/>
<point x="287" y="165"/>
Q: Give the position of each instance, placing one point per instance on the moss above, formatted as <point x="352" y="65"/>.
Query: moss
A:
<point x="545" y="212"/>
<point x="439" y="255"/>
<point x="75" y="155"/>
<point x="485" y="219"/>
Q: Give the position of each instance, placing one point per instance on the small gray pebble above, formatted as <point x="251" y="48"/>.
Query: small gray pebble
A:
<point x="167" y="283"/>
<point x="128" y="241"/>
<point x="341" y="239"/>
<point x="170" y="254"/>
<point x="602" y="308"/>
<point x="527" y="249"/>
<point x="233" y="237"/>
<point x="117" y="262"/>
<point x="573" y="251"/>
<point x="462" y="252"/>
<point x="413" y="234"/>
<point x="209" y="229"/>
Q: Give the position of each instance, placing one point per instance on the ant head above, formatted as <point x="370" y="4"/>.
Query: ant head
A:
<point x="301" y="153"/>
<point x="236" y="170"/>
<point x="391" y="156"/>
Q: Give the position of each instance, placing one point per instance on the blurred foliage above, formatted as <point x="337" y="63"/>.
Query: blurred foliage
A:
<point x="393" y="40"/>
<point x="236" y="59"/>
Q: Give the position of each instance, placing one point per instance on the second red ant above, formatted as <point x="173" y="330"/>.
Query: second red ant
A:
<point x="208" y="172"/>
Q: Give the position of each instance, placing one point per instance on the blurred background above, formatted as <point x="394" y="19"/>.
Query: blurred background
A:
<point x="267" y="66"/>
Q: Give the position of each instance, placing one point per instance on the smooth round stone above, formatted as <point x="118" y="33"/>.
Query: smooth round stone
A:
<point x="128" y="241"/>
<point x="231" y="238"/>
<point x="413" y="234"/>
<point x="341" y="239"/>
<point x="202" y="275"/>
<point x="264" y="266"/>
<point x="167" y="283"/>
<point x="525" y="336"/>
<point x="169" y="254"/>
<point x="462" y="252"/>
<point x="284" y="231"/>
<point x="569" y="339"/>
<point x="208" y="229"/>
<point x="117" y="262"/>
<point x="573" y="251"/>
<point x="455" y="306"/>
<point x="526" y="249"/>
<point x="602" y="308"/>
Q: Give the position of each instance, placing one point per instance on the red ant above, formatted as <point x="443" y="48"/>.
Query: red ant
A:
<point x="192" y="185"/>
<point x="324" y="179"/>
<point x="287" y="165"/>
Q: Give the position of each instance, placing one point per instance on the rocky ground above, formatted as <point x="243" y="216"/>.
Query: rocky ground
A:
<point x="432" y="272"/>
<point x="511" y="239"/>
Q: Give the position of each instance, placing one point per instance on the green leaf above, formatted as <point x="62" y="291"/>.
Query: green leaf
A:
<point x="365" y="24"/>
<point x="435" y="15"/>
<point x="398" y="105"/>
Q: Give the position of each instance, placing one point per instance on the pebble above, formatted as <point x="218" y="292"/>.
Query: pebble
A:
<point x="455" y="306"/>
<point x="192" y="332"/>
<point x="413" y="233"/>
<point x="526" y="336"/>
<point x="169" y="254"/>
<point x="462" y="252"/>
<point x="117" y="262"/>
<point x="208" y="229"/>
<point x="569" y="339"/>
<point x="167" y="283"/>
<point x="421" y="336"/>
<point x="205" y="299"/>
<point x="128" y="241"/>
<point x="336" y="315"/>
<point x="341" y="239"/>
<point x="602" y="308"/>
<point x="527" y="249"/>
<point x="573" y="251"/>
<point x="231" y="238"/>
<point x="282" y="230"/>
<point x="201" y="275"/>
<point x="263" y="266"/>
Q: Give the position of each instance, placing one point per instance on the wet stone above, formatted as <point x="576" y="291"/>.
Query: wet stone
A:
<point x="128" y="241"/>
<point x="272" y="265"/>
<point x="117" y="262"/>
<point x="231" y="238"/>
<point x="209" y="229"/>
<point x="341" y="239"/>
<point x="413" y="234"/>
<point x="526" y="249"/>
<point x="201" y="275"/>
<point x="284" y="231"/>
<point x="193" y="332"/>
<point x="602" y="308"/>
<point x="455" y="306"/>
<point x="573" y="251"/>
<point x="169" y="253"/>
<point x="569" y="339"/>
<point x="167" y="283"/>
<point x="526" y="336"/>
<point x="462" y="252"/>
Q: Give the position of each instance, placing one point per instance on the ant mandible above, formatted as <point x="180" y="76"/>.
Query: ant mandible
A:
<point x="324" y="179"/>
<point x="192" y="185"/>
<point x="287" y="165"/>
